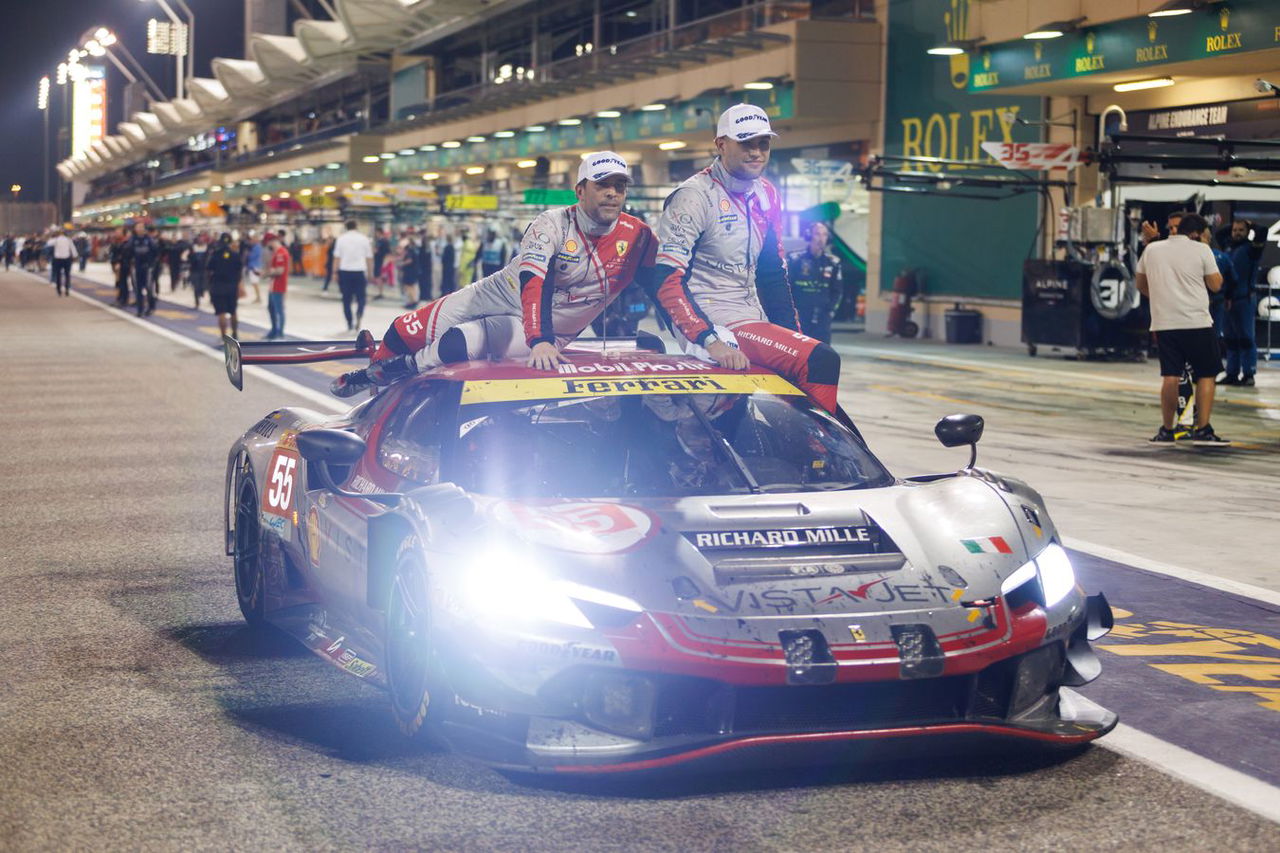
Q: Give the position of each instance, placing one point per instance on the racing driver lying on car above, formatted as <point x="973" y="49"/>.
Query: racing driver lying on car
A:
<point x="573" y="261"/>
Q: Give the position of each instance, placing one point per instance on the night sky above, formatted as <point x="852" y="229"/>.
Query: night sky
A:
<point x="36" y="36"/>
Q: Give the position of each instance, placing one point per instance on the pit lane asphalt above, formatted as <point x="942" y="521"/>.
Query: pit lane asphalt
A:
<point x="136" y="711"/>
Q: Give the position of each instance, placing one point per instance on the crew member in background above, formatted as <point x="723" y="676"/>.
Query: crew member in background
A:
<point x="493" y="254"/>
<point x="816" y="283"/>
<point x="572" y="262"/>
<point x="63" y="252"/>
<point x="118" y="256"/>
<point x="466" y="260"/>
<point x="198" y="258"/>
<point x="83" y="247"/>
<point x="353" y="258"/>
<point x="1239" y="308"/>
<point x="224" y="271"/>
<point x="381" y="249"/>
<point x="723" y="278"/>
<point x="9" y="248"/>
<point x="178" y="248"/>
<point x="406" y="261"/>
<point x="142" y="262"/>
<point x="329" y="243"/>
<point x="1177" y="274"/>
<point x="422" y="267"/>
<point x="252" y="253"/>
<point x="448" y="257"/>
<point x="278" y="273"/>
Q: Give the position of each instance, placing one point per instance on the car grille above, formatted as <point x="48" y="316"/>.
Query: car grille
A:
<point x="696" y="706"/>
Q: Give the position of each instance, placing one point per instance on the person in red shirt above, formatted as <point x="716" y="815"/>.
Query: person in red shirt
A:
<point x="278" y="275"/>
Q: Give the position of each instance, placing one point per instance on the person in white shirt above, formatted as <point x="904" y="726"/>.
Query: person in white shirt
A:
<point x="353" y="254"/>
<point x="64" y="252"/>
<point x="1176" y="275"/>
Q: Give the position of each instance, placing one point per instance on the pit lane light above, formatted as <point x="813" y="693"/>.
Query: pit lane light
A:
<point x="503" y="134"/>
<point x="1053" y="567"/>
<point x="954" y="47"/>
<point x="501" y="584"/>
<point x="1054" y="29"/>
<point x="1179" y="7"/>
<point x="1138" y="85"/>
<point x="609" y="114"/>
<point x="452" y="143"/>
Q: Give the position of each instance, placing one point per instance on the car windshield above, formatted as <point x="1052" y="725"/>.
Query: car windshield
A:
<point x="656" y="445"/>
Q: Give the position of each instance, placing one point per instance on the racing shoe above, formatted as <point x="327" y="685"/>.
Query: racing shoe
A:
<point x="351" y="384"/>
<point x="1167" y="436"/>
<point x="1206" y="437"/>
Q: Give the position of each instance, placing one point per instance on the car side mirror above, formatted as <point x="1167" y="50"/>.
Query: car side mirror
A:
<point x="330" y="446"/>
<point x="324" y="447"/>
<point x="959" y="430"/>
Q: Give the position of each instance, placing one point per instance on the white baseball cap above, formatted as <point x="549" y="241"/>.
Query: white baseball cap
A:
<point x="599" y="165"/>
<point x="743" y="121"/>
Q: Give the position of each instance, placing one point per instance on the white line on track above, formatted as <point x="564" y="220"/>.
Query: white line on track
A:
<point x="1217" y="779"/>
<point x="1231" y="785"/>
<point x="900" y="355"/>
<point x="1212" y="581"/>
<point x="256" y="372"/>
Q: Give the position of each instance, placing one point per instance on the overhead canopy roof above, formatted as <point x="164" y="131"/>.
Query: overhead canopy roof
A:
<point x="283" y="66"/>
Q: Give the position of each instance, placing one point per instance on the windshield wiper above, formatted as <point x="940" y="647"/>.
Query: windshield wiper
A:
<point x="727" y="449"/>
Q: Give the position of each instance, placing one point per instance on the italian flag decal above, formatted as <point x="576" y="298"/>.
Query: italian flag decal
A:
<point x="987" y="545"/>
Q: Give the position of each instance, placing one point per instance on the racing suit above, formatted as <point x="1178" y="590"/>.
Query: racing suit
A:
<point x="567" y="270"/>
<point x="721" y="271"/>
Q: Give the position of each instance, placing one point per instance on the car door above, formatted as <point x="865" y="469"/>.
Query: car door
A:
<point x="404" y="452"/>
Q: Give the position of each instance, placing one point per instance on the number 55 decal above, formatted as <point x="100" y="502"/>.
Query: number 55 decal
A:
<point x="279" y="497"/>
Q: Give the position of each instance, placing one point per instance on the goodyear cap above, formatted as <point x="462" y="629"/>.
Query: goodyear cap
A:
<point x="599" y="165"/>
<point x="743" y="121"/>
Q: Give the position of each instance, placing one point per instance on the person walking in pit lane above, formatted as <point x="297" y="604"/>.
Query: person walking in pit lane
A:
<point x="83" y="248"/>
<point x="816" y="283"/>
<point x="353" y="256"/>
<point x="118" y="257"/>
<point x="198" y="258"/>
<point x="143" y="251"/>
<point x="722" y="276"/>
<point x="572" y="262"/>
<point x="278" y="275"/>
<point x="224" y="272"/>
<point x="62" y="253"/>
<point x="1174" y="274"/>
<point x="8" y="251"/>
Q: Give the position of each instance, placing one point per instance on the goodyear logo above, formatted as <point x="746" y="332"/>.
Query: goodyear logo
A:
<point x="507" y="390"/>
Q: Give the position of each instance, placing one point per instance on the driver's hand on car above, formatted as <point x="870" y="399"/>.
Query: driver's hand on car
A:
<point x="727" y="356"/>
<point x="544" y="356"/>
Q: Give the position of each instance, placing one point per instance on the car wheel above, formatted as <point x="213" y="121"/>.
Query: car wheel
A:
<point x="910" y="329"/>
<point x="251" y="581"/>
<point x="409" y="661"/>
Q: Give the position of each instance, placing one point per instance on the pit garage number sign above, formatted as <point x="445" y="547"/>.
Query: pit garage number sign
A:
<point x="1033" y="156"/>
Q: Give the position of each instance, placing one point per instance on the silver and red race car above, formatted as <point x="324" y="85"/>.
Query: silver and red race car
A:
<point x="644" y="560"/>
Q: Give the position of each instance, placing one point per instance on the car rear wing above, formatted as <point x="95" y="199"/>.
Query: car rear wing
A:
<point x="239" y="353"/>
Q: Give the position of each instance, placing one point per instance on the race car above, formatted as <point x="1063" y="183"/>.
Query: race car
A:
<point x="644" y="560"/>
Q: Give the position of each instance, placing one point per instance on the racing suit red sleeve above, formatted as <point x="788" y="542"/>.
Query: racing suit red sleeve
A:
<point x="684" y="217"/>
<point x="772" y="283"/>
<point x="537" y="281"/>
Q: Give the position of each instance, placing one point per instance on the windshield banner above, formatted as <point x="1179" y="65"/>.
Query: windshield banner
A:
<point x="506" y="390"/>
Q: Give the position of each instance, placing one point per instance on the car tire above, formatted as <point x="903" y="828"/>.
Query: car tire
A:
<point x="251" y="579"/>
<point x="410" y="663"/>
<point x="910" y="329"/>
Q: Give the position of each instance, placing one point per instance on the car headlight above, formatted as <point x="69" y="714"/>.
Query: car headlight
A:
<point x="500" y="584"/>
<point x="1057" y="578"/>
<point x="1053" y="567"/>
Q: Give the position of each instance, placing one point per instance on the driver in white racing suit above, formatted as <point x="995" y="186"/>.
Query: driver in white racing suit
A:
<point x="573" y="261"/>
<point x="721" y="273"/>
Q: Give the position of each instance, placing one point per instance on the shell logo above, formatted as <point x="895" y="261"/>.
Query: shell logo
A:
<point x="571" y="245"/>
<point x="724" y="205"/>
